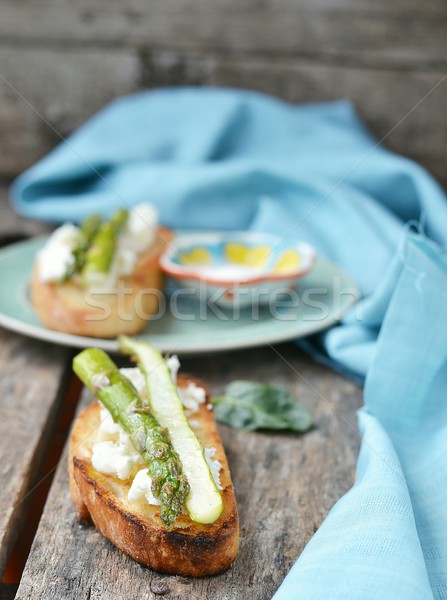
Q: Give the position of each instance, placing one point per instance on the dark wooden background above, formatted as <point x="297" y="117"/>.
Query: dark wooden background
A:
<point x="67" y="58"/>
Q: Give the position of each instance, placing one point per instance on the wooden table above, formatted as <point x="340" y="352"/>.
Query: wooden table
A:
<point x="285" y="484"/>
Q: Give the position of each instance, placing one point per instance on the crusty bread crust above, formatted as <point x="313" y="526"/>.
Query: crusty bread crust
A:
<point x="70" y="308"/>
<point x="189" y="549"/>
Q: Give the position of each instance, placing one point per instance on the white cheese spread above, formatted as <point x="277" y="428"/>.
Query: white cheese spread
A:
<point x="113" y="453"/>
<point x="141" y="488"/>
<point x="136" y="378"/>
<point x="115" y="459"/>
<point x="173" y="365"/>
<point x="214" y="465"/>
<point x="56" y="257"/>
<point x="140" y="229"/>
<point x="192" y="396"/>
<point x="137" y="237"/>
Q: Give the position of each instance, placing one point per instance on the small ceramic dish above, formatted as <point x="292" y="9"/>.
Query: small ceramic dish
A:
<point x="237" y="268"/>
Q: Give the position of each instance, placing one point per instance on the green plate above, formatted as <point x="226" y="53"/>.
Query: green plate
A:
<point x="322" y="297"/>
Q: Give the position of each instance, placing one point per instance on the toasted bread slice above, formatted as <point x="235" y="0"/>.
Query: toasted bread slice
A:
<point x="70" y="308"/>
<point x="189" y="548"/>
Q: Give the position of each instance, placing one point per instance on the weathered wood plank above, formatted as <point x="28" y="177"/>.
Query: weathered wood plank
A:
<point x="14" y="227"/>
<point x="42" y="89"/>
<point x="285" y="485"/>
<point x="66" y="93"/>
<point x="30" y="379"/>
<point x="68" y="59"/>
<point x="404" y="32"/>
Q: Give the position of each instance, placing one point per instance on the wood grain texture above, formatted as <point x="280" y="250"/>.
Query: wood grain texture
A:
<point x="30" y="378"/>
<point x="67" y="59"/>
<point x="13" y="227"/>
<point x="45" y="93"/>
<point x="60" y="61"/>
<point x="285" y="485"/>
<point x="402" y="101"/>
<point x="408" y="32"/>
<point x="31" y="375"/>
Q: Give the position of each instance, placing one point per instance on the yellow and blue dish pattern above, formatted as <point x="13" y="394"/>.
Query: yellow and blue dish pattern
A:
<point x="231" y="262"/>
<point x="243" y="255"/>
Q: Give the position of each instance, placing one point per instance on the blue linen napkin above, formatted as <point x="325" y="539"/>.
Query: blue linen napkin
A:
<point x="387" y="537"/>
<point x="240" y="160"/>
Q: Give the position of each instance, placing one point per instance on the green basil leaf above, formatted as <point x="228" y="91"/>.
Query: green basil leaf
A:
<point x="249" y="405"/>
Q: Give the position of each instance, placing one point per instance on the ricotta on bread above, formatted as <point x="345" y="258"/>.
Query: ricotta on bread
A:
<point x="114" y="490"/>
<point x="114" y="293"/>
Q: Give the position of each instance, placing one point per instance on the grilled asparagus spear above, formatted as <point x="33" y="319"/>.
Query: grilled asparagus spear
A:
<point x="100" y="254"/>
<point x="100" y="374"/>
<point x="89" y="228"/>
<point x="204" y="502"/>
